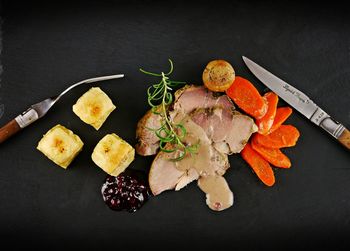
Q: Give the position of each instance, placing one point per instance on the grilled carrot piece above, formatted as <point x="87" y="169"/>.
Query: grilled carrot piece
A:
<point x="247" y="97"/>
<point x="284" y="136"/>
<point x="265" y="123"/>
<point x="273" y="156"/>
<point x="259" y="165"/>
<point x="282" y="114"/>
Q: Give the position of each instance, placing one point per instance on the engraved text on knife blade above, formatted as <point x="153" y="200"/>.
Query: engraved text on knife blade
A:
<point x="296" y="94"/>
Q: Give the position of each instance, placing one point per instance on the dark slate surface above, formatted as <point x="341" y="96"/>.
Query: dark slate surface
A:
<point x="47" y="47"/>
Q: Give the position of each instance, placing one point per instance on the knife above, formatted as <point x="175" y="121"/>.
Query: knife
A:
<point x="301" y="102"/>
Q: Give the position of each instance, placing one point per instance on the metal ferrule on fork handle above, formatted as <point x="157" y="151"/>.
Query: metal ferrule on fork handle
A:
<point x="27" y="117"/>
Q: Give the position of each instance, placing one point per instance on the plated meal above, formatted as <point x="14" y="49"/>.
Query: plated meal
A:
<point x="191" y="130"/>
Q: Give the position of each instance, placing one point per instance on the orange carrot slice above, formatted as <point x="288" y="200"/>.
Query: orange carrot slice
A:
<point x="282" y="114"/>
<point x="284" y="136"/>
<point x="247" y="97"/>
<point x="273" y="156"/>
<point x="265" y="123"/>
<point x="259" y="165"/>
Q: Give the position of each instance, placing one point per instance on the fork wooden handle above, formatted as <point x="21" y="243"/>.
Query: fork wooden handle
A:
<point x="8" y="130"/>
<point x="344" y="138"/>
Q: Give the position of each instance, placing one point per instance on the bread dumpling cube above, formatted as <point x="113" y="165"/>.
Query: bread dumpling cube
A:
<point x="60" y="145"/>
<point x="112" y="154"/>
<point x="93" y="107"/>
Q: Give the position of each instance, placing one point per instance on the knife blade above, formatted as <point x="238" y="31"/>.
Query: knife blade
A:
<point x="301" y="102"/>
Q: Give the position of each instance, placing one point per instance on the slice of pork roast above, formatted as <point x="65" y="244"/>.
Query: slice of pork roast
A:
<point x="147" y="140"/>
<point x="186" y="100"/>
<point x="166" y="174"/>
<point x="228" y="130"/>
<point x="192" y="97"/>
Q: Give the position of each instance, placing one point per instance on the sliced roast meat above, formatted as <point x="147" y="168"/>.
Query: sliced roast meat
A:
<point x="192" y="97"/>
<point x="218" y="193"/>
<point x="187" y="99"/>
<point x="207" y="160"/>
<point x="163" y="174"/>
<point x="188" y="176"/>
<point x="228" y="130"/>
<point x="211" y="122"/>
<point x="147" y="140"/>
<point x="166" y="174"/>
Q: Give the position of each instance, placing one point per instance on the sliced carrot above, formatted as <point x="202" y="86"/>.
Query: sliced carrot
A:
<point x="284" y="136"/>
<point x="247" y="97"/>
<point x="273" y="156"/>
<point x="282" y="114"/>
<point x="265" y="123"/>
<point x="260" y="166"/>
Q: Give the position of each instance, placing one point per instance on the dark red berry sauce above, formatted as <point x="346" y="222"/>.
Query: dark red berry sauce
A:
<point x="127" y="191"/>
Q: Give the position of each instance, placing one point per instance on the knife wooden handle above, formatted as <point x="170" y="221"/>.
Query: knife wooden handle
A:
<point x="8" y="130"/>
<point x="344" y="138"/>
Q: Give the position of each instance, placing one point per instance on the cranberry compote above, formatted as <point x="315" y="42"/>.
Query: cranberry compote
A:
<point x="126" y="191"/>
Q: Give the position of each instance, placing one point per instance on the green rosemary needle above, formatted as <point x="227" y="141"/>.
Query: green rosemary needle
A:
<point x="170" y="135"/>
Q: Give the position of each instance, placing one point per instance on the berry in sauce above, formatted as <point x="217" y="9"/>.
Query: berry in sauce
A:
<point x="126" y="191"/>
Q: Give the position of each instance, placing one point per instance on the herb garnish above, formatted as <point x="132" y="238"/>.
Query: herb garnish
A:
<point x="160" y="98"/>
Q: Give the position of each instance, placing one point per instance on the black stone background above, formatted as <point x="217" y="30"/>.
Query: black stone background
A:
<point x="48" y="45"/>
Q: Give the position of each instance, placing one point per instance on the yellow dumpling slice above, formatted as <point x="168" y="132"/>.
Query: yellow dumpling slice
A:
<point x="112" y="154"/>
<point x="93" y="107"/>
<point x="60" y="145"/>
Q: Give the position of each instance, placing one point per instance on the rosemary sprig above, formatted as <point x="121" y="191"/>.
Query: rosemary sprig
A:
<point x="159" y="97"/>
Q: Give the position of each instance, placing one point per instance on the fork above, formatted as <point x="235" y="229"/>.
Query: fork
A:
<point x="38" y="110"/>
